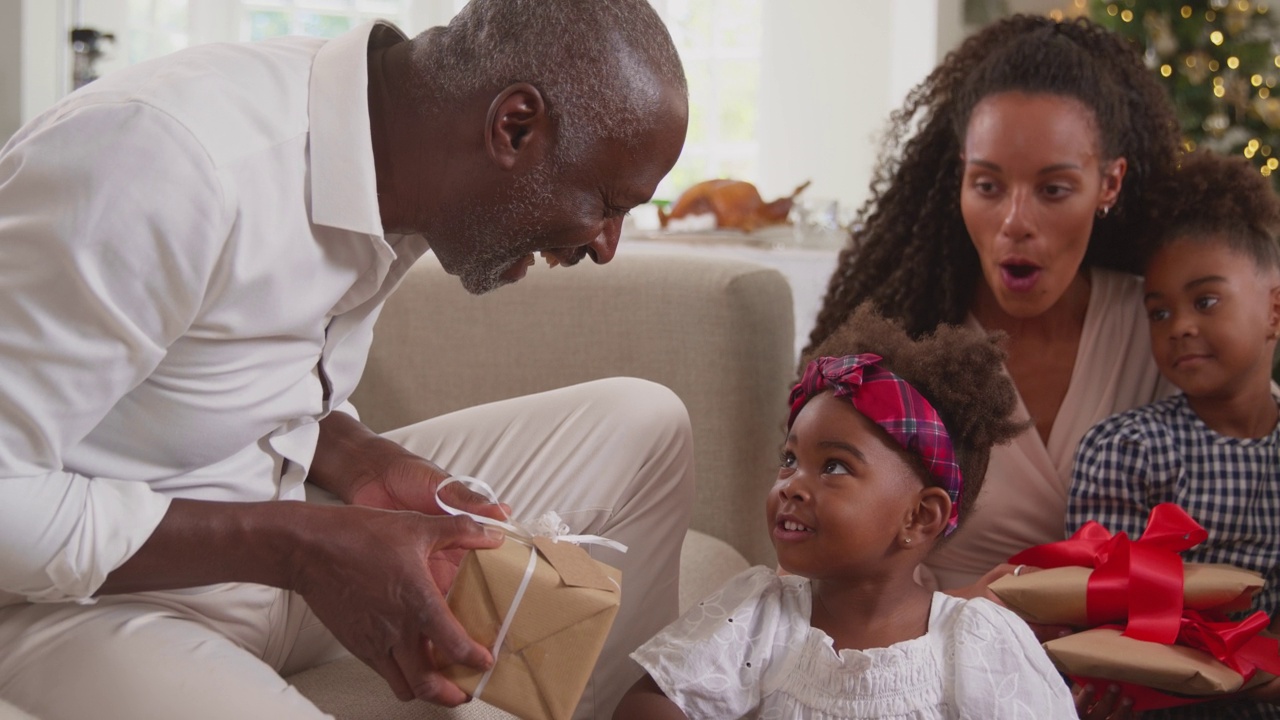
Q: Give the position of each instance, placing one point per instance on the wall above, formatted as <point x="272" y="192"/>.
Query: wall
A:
<point x="823" y="125"/>
<point x="39" y="64"/>
<point x="10" y="67"/>
<point x="30" y="60"/>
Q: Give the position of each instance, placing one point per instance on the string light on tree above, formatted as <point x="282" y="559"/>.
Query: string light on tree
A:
<point x="1220" y="60"/>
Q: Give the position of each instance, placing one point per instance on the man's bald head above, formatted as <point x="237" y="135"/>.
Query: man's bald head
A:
<point x="604" y="67"/>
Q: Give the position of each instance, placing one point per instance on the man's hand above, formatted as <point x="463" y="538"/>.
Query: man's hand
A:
<point x="377" y="580"/>
<point x="364" y="468"/>
<point x="387" y="607"/>
<point x="408" y="482"/>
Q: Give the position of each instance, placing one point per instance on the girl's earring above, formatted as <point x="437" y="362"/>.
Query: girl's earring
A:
<point x="1102" y="211"/>
<point x="906" y="541"/>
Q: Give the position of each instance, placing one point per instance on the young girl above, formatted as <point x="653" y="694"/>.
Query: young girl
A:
<point x="1212" y="296"/>
<point x="872" y="476"/>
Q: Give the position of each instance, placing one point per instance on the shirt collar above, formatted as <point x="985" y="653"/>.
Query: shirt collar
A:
<point x="344" y="189"/>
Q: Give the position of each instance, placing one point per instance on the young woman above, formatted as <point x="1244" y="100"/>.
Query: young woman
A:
<point x="1016" y="193"/>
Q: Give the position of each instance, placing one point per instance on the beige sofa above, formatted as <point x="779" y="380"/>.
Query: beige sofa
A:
<point x="718" y="332"/>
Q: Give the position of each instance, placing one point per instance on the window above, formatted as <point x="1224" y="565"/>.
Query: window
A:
<point x="145" y="29"/>
<point x="155" y="28"/>
<point x="720" y="43"/>
<point x="262" y="19"/>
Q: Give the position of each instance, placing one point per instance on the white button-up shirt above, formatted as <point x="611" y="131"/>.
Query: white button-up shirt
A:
<point x="191" y="263"/>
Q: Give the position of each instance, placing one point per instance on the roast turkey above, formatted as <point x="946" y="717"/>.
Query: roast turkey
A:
<point x="735" y="203"/>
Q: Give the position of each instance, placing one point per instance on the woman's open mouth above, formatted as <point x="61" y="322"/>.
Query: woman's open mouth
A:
<point x="1020" y="276"/>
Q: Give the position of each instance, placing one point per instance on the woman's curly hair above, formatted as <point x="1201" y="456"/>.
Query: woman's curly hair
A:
<point x="910" y="253"/>
<point x="1214" y="197"/>
<point x="958" y="370"/>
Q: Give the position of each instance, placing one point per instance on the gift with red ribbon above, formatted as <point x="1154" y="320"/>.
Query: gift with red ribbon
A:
<point x="1212" y="657"/>
<point x="1159" y="628"/>
<point x="1095" y="578"/>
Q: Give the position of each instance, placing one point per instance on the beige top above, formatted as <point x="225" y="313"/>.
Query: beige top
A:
<point x="1024" y="500"/>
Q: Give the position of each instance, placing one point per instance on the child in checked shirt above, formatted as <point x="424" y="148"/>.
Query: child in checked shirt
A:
<point x="1212" y="293"/>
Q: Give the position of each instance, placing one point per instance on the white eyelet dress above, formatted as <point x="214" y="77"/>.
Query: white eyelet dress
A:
<point x="748" y="650"/>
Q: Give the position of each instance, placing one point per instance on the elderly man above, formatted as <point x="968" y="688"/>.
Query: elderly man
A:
<point x="193" y="253"/>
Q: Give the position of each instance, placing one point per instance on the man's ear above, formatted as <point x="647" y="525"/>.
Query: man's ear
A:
<point x="517" y="126"/>
<point x="929" y="517"/>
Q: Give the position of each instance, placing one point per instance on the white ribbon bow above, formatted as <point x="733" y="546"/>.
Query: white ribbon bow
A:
<point x="548" y="525"/>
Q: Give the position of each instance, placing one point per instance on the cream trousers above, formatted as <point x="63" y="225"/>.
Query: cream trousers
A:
<point x="612" y="457"/>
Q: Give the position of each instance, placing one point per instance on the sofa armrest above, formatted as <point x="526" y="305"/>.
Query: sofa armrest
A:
<point x="719" y="332"/>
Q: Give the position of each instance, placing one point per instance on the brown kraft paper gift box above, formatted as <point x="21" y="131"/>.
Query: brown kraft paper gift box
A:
<point x="1107" y="654"/>
<point x="1057" y="596"/>
<point x="556" y="634"/>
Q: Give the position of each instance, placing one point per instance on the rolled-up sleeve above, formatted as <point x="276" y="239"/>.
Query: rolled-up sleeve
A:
<point x="111" y="221"/>
<point x="63" y="533"/>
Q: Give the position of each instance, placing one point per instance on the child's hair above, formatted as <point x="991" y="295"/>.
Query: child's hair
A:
<point x="958" y="370"/>
<point x="1214" y="197"/>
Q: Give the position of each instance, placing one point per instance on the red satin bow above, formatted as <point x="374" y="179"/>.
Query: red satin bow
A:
<point x="1235" y="644"/>
<point x="1135" y="580"/>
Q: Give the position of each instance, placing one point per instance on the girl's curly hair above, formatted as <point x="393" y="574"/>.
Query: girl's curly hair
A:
<point x="910" y="252"/>
<point x="958" y="370"/>
<point x="1214" y="198"/>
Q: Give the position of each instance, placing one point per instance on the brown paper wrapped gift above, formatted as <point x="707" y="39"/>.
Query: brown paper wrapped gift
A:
<point x="555" y="635"/>
<point x="1056" y="596"/>
<point x="1106" y="654"/>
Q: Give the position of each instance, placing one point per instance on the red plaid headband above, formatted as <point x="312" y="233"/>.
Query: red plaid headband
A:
<point x="890" y="402"/>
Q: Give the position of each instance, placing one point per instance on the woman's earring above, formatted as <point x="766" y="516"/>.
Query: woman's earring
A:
<point x="906" y="541"/>
<point x="1102" y="211"/>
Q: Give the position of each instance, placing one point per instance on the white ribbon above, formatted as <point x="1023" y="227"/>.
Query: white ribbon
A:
<point x="548" y="525"/>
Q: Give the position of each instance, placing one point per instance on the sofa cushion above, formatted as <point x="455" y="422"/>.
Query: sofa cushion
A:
<point x="717" y="331"/>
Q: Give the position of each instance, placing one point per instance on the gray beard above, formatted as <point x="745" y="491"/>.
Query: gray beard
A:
<point x="494" y="235"/>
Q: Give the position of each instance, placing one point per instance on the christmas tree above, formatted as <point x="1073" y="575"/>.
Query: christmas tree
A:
<point x="1220" y="60"/>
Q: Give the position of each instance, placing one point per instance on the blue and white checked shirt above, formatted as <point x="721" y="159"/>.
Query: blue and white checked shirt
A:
<point x="1163" y="452"/>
